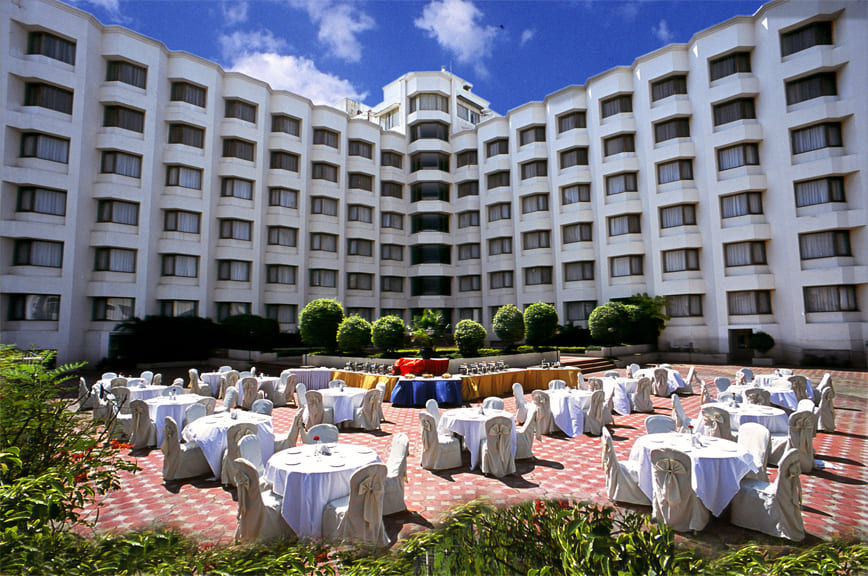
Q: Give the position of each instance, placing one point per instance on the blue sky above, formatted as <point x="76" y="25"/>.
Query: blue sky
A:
<point x="512" y="52"/>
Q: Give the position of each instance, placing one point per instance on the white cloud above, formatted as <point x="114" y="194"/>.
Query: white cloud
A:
<point x="340" y="24"/>
<point x="234" y="13"/>
<point x="239" y="44"/>
<point x="112" y="7"/>
<point x="457" y="27"/>
<point x="629" y="10"/>
<point x="662" y="31"/>
<point x="527" y="35"/>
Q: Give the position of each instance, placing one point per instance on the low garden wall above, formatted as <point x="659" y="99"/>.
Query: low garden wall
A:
<point x="512" y="360"/>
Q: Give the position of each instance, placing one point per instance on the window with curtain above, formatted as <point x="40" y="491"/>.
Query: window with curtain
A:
<point x="430" y="222"/>
<point x="282" y="236"/>
<point x="429" y="191"/>
<point x="571" y="121"/>
<point x="819" y="191"/>
<point x="41" y="200"/>
<point x="500" y="279"/>
<point x="739" y="155"/>
<point x="235" y="148"/>
<point x="364" y="313"/>
<point x="227" y="309"/>
<point x="618" y="183"/>
<point x="830" y="298"/>
<point x="323" y="278"/>
<point x="44" y="253"/>
<point x="536" y="239"/>
<point x="284" y="197"/>
<point x="184" y="176"/>
<point x="126" y="72"/>
<point x="281" y="274"/>
<point x="535" y="203"/>
<point x="233" y="229"/>
<point x="618" y="144"/>
<point x="500" y="211"/>
<point x="669" y="129"/>
<point x="182" y="265"/>
<point x="360" y="213"/>
<point x="532" y="134"/>
<point x="803" y="37"/>
<point x="468" y="114"/>
<point x="574" y="157"/>
<point x="241" y="110"/>
<point x="48" y="96"/>
<point x="738" y="109"/>
<point x="741" y="204"/>
<point x="391" y="158"/>
<point x="674" y="171"/>
<point x="118" y="211"/>
<point x="121" y="163"/>
<point x="681" y="260"/>
<point x="826" y="135"/>
<point x="113" y="309"/>
<point x="534" y="169"/>
<point x="578" y="271"/>
<point x="734" y="63"/>
<point x="360" y="247"/>
<point x="392" y="283"/>
<point x="360" y="148"/>
<point x="281" y="160"/>
<point x="575" y="193"/>
<point x="186" y="92"/>
<point x="431" y="254"/>
<point x="360" y="281"/>
<point x="122" y="117"/>
<point x="470" y="283"/>
<point x="678" y="215"/>
<point x="323" y="205"/>
<point x="579" y="311"/>
<point x="466" y="158"/>
<point x="390" y="119"/>
<point x="620" y="104"/>
<point x="468" y="218"/>
<point x="474" y="314"/>
<point x="115" y="260"/>
<point x="625" y="224"/>
<point x="469" y="251"/>
<point x="179" y="307"/>
<point x="684" y="305"/>
<point x="392" y="252"/>
<point x="182" y="221"/>
<point x="282" y="313"/>
<point x="393" y="220"/>
<point x="435" y="102"/>
<point x="749" y="302"/>
<point x="233" y="270"/>
<point x="360" y="181"/>
<point x="497" y="179"/>
<point x="187" y="135"/>
<point x="626" y="266"/>
<point x="578" y="232"/>
<point x="496" y="147"/>
<point x="469" y="188"/>
<point x="36" y="145"/>
<point x="429" y="131"/>
<point x="323" y="171"/>
<point x="824" y="244"/>
<point x="536" y="275"/>
<point x="668" y="86"/>
<point x="286" y="124"/>
<point x="324" y="242"/>
<point x="37" y="307"/>
<point x="502" y="245"/>
<point x="810" y="87"/>
<point x="750" y="253"/>
<point x="47" y="44"/>
<point x="391" y="189"/>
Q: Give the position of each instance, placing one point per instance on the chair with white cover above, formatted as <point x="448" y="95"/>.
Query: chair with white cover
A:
<point x="337" y="383"/>
<point x="666" y="366"/>
<point x="118" y="381"/>
<point x="227" y="382"/>
<point x="580" y="383"/>
<point x="249" y="392"/>
<point x="525" y="433"/>
<point x="108" y="375"/>
<point x="433" y="409"/>
<point x="800" y="436"/>
<point x="178" y="390"/>
<point x="193" y="374"/>
<point x="691" y="378"/>
<point x="826" y="411"/>
<point x="210" y="404"/>
<point x="233" y="436"/>
<point x="224" y="369"/>
<point x="772" y="508"/>
<point x="247" y="374"/>
<point x="181" y="461"/>
<point x="682" y="422"/>
<point x="85" y="395"/>
<point x="704" y="394"/>
<point x="641" y="398"/>
<point x="381" y="386"/>
<point x="632" y="369"/>
<point x="722" y="385"/>
<point x="716" y="422"/>
<point x="595" y="384"/>
<point x="784" y="372"/>
<point x="800" y="386"/>
<point x="250" y="450"/>
<point x="290" y="439"/>
<point x="367" y="416"/>
<point x="118" y="416"/>
<point x="285" y="389"/>
<point x="675" y="503"/>
<point x="230" y="400"/>
<point x="439" y="452"/>
<point x="358" y="516"/>
<point x="594" y="417"/>
<point x="316" y="413"/>
<point x="396" y="477"/>
<point x="545" y="421"/>
<point x="659" y="424"/>
<point x="557" y="385"/>
<point x="259" y="518"/>
<point x="147" y="376"/>
<point x="755" y="438"/>
<point x="262" y="406"/>
<point x="327" y="434"/>
<point x="660" y="386"/>
<point x="744" y="376"/>
<point x="193" y="412"/>
<point x="611" y="374"/>
<point x="759" y="396"/>
<point x="143" y="433"/>
<point x="496" y="447"/>
<point x="520" y="402"/>
<point x="300" y="395"/>
<point x="158" y="379"/>
<point x="493" y="403"/>
<point x="622" y="478"/>
<point x="818" y="389"/>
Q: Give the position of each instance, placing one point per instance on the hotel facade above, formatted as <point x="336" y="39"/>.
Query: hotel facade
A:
<point x="726" y="174"/>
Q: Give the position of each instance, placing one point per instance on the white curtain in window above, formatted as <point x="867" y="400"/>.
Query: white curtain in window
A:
<point x="738" y="254"/>
<point x="49" y="202"/>
<point x="188" y="222"/>
<point x="121" y="260"/>
<point x="186" y="266"/>
<point x="829" y="298"/>
<point x="674" y="260"/>
<point x="46" y="254"/>
<point x="50" y="148"/>
<point x="741" y="303"/>
<point x="619" y="225"/>
<point x="819" y="245"/>
<point x="239" y="271"/>
<point x="125" y="212"/>
<point x="669" y="172"/>
<point x="816" y="137"/>
<point x="190" y="178"/>
<point x="678" y="306"/>
<point x="672" y="216"/>
<point x="127" y="165"/>
<point x="621" y="266"/>
<point x="737" y="156"/>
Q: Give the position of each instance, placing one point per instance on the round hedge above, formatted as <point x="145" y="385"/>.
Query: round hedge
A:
<point x="319" y="323"/>
<point x="354" y="334"/>
<point x="508" y="324"/>
<point x="762" y="342"/>
<point x="609" y="321"/>
<point x="469" y="336"/>
<point x="388" y="333"/>
<point x="540" y="323"/>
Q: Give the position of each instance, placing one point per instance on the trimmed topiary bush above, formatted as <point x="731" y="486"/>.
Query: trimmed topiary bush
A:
<point x="609" y="322"/>
<point x="469" y="335"/>
<point x="354" y="334"/>
<point x="540" y="323"/>
<point x="388" y="333"/>
<point x="249" y="332"/>
<point x="319" y="323"/>
<point x="762" y="342"/>
<point x="508" y="324"/>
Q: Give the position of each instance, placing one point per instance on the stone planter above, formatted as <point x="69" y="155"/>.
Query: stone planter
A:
<point x="762" y="361"/>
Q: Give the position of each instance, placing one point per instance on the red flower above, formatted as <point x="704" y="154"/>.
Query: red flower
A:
<point x="80" y="477"/>
<point x="322" y="557"/>
<point x="316" y="438"/>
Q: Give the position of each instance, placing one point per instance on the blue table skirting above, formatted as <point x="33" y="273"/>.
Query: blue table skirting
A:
<point x="417" y="392"/>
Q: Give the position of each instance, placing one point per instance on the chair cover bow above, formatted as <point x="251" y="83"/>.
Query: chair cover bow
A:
<point x="672" y="469"/>
<point x="242" y="482"/>
<point x="371" y="489"/>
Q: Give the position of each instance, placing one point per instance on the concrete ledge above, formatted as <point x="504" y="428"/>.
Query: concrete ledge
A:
<point x="513" y="360"/>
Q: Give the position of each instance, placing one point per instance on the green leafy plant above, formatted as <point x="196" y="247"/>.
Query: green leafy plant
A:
<point x="354" y="334"/>
<point x="469" y="336"/>
<point x="647" y="318"/>
<point x="609" y="323"/>
<point x="508" y="325"/>
<point x="540" y="323"/>
<point x="388" y="333"/>
<point x="249" y="332"/>
<point x="319" y="321"/>
<point x="163" y="338"/>
<point x="433" y="323"/>
<point x="762" y="342"/>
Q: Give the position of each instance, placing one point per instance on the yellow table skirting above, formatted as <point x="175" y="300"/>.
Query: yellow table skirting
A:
<point x="539" y="378"/>
<point x="366" y="381"/>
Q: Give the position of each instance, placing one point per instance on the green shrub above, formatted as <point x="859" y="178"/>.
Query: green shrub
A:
<point x="540" y="323"/>
<point x="388" y="333"/>
<point x="354" y="334"/>
<point x="319" y="321"/>
<point x="249" y="332"/>
<point x="469" y="336"/>
<point x="762" y="342"/>
<point x="609" y="323"/>
<point x="163" y="339"/>
<point x="647" y="318"/>
<point x="508" y="325"/>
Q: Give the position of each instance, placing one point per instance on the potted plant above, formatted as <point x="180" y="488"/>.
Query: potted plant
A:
<point x="761" y="343"/>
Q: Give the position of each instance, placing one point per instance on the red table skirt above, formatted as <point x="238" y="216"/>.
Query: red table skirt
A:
<point x="435" y="366"/>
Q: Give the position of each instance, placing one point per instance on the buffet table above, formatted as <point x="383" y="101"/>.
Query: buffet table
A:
<point x="435" y="366"/>
<point x="417" y="391"/>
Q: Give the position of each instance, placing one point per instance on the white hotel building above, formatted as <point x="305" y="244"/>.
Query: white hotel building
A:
<point x="727" y="174"/>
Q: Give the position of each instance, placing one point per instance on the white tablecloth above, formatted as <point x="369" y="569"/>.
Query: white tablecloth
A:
<point x="780" y="396"/>
<point x="313" y="378"/>
<point x="774" y="419"/>
<point x="674" y="380"/>
<point x="619" y="390"/>
<point x="718" y="467"/>
<point x="343" y="402"/>
<point x="308" y="482"/>
<point x="210" y="433"/>
<point x="264" y="383"/>
<point x="470" y="423"/>
<point x="145" y="392"/>
<point x="176" y="407"/>
<point x="212" y="379"/>
<point x="568" y="409"/>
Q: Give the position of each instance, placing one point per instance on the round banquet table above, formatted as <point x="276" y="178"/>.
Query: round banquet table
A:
<point x="470" y="423"/>
<point x="212" y="379"/>
<point x="162" y="406"/>
<point x="568" y="409"/>
<point x="145" y="392"/>
<point x="313" y="378"/>
<point x="210" y="433"/>
<point x="343" y="402"/>
<point x="620" y="390"/>
<point x="775" y="419"/>
<point x="674" y="380"/>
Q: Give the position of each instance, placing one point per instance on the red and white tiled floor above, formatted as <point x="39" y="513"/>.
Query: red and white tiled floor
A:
<point x="835" y="498"/>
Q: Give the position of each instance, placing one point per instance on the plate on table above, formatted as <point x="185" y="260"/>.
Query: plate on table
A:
<point x="364" y="450"/>
<point x="293" y="450"/>
<point x="336" y="463"/>
<point x="727" y="448"/>
<point x="293" y="462"/>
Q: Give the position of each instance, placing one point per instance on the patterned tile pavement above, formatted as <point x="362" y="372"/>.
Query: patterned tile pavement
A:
<point x="835" y="498"/>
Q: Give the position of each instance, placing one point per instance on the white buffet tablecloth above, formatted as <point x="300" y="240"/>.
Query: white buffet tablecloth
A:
<point x="470" y="423"/>
<point x="210" y="433"/>
<point x="569" y="408"/>
<point x="718" y="466"/>
<point x="308" y="482"/>
<point x="675" y="380"/>
<point x="619" y="390"/>
<point x="774" y="419"/>
<point x="313" y="378"/>
<point x="343" y="402"/>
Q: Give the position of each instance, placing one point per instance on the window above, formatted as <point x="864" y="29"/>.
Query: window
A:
<point x="41" y="200"/>
<point x="324" y="242"/>
<point x="44" y="307"/>
<point x="280" y="274"/>
<point x="323" y="278"/>
<point x="360" y="281"/>
<point x="534" y="169"/>
<point x="282" y="236"/>
<point x="749" y="302"/>
<point x="118" y="211"/>
<point x="752" y="253"/>
<point x="436" y="102"/>
<point x="668" y="87"/>
<point x="322" y="171"/>
<point x="738" y="109"/>
<point x="466" y="158"/>
<point x="390" y="119"/>
<point x="326" y="137"/>
<point x="684" y="305"/>
<point x="36" y="145"/>
<point x="360" y="247"/>
<point x="674" y="170"/>
<point x="241" y="110"/>
<point x="532" y="134"/>
<point x="237" y="188"/>
<point x="284" y="197"/>
<point x="738" y="155"/>
<point x="38" y="253"/>
<point x="468" y="218"/>
<point x="501" y="245"/>
<point x="227" y="309"/>
<point x="810" y="87"/>
<point x="826" y="135"/>
<point x="48" y="44"/>
<point x="536" y="239"/>
<point x="429" y="161"/>
<point x="235" y="148"/>
<point x="535" y="203"/>
<point x="429" y="131"/>
<point x="618" y="183"/>
<point x="824" y="244"/>
<point x="392" y="283"/>
<point x="470" y="283"/>
<point x="113" y="309"/>
<point x="830" y="299"/>
<point x="575" y="193"/>
<point x="741" y="204"/>
<point x="392" y="252"/>
<point x="498" y="179"/>
<point x="182" y="221"/>
<point x="121" y="163"/>
<point x="179" y="308"/>
<point x="391" y="189"/>
<point x="184" y="176"/>
<point x="429" y="223"/>
<point x="579" y="311"/>
<point x="574" y="157"/>
<point x="48" y="96"/>
<point x="115" y="260"/>
<point x="728" y="65"/>
<point x="578" y="271"/>
<point x="469" y="188"/>
<point x="579" y="232"/>
<point x="675" y="128"/>
<point x="364" y="313"/>
<point x="360" y="148"/>
<point x="282" y="313"/>
<point x="497" y="147"/>
<point x="430" y="286"/>
<point x="626" y="266"/>
<point x="123" y="117"/>
<point x="501" y="279"/>
<point x="233" y="229"/>
<point x="323" y="205"/>
<point x="571" y="121"/>
<point x="468" y="114"/>
<point x="819" y="191"/>
<point x="501" y="211"/>
<point x="233" y="270"/>
<point x="360" y="181"/>
<point x="474" y="314"/>
<point x="618" y="144"/>
<point x="391" y="158"/>
<point x="392" y="220"/>
<point x="469" y="251"/>
<point x="625" y="224"/>
<point x="681" y="260"/>
<point x="620" y="104"/>
<point x="813" y="34"/>
<point x="126" y="72"/>
<point x="678" y="215"/>
<point x="286" y="124"/>
<point x="185" y="92"/>
<point x="281" y="160"/>
<point x="187" y="135"/>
